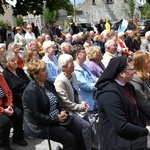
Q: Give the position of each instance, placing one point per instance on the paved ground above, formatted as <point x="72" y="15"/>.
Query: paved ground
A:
<point x="35" y="144"/>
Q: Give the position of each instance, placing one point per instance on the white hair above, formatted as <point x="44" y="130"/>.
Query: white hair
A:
<point x="109" y="43"/>
<point x="80" y="34"/>
<point x="64" y="59"/>
<point x="75" y="36"/>
<point x="147" y="35"/>
<point x="47" y="44"/>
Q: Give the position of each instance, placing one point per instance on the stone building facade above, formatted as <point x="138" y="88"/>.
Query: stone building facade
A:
<point x="94" y="10"/>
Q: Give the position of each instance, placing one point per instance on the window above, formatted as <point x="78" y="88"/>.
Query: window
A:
<point x="126" y="1"/>
<point x="93" y="2"/>
<point x="109" y="1"/>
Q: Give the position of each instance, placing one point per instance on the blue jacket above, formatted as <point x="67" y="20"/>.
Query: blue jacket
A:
<point x="86" y="82"/>
<point x="52" y="67"/>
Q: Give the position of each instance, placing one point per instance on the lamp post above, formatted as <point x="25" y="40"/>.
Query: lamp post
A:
<point x="74" y="10"/>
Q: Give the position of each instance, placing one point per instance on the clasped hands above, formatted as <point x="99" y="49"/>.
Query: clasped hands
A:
<point x="9" y="111"/>
<point x="85" y="106"/>
<point x="62" y="116"/>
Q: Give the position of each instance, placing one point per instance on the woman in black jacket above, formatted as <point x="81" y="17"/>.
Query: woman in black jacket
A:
<point x="43" y="113"/>
<point x="15" y="77"/>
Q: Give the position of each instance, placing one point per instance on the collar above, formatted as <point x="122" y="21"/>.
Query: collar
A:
<point x="119" y="82"/>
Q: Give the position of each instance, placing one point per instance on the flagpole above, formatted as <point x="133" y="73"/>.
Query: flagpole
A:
<point x="74" y="10"/>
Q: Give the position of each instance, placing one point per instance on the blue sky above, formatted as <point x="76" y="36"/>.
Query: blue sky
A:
<point x="77" y="1"/>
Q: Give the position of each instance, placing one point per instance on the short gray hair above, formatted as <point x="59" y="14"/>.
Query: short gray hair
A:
<point x="64" y="59"/>
<point x="5" y="56"/>
<point x="47" y="44"/>
<point x="147" y="35"/>
<point x="109" y="43"/>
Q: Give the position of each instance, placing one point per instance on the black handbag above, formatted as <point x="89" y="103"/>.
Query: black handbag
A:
<point x="67" y="122"/>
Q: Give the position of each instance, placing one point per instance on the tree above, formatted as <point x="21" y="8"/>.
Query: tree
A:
<point x="145" y="11"/>
<point x="131" y="8"/>
<point x="50" y="16"/>
<point x="23" y="7"/>
<point x="19" y="20"/>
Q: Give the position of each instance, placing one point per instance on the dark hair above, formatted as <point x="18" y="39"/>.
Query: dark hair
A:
<point x="86" y="36"/>
<point x="76" y="49"/>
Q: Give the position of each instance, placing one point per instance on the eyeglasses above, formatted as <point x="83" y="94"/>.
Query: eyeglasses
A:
<point x="130" y="69"/>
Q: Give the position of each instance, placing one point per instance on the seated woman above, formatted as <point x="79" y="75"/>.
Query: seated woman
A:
<point x="142" y="84"/>
<point x="99" y="41"/>
<point x="9" y="113"/>
<point x="94" y="64"/>
<point x="43" y="112"/>
<point x="15" y="77"/>
<point x="51" y="61"/>
<point x="30" y="55"/>
<point x="85" y="79"/>
<point x="16" y="49"/>
<point x="119" y="125"/>
<point x="67" y="88"/>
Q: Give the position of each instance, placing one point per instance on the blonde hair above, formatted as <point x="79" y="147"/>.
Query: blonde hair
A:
<point x="93" y="52"/>
<point x="34" y="66"/>
<point x="141" y="58"/>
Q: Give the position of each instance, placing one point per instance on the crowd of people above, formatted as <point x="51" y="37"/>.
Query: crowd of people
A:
<point x="50" y="77"/>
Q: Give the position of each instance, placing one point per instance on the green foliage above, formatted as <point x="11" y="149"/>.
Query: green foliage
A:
<point x="23" y="7"/>
<point x="131" y="8"/>
<point x="50" y="16"/>
<point x="146" y="11"/>
<point x="19" y="21"/>
<point x="4" y="24"/>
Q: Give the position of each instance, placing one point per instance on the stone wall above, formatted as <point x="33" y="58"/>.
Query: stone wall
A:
<point x="101" y="10"/>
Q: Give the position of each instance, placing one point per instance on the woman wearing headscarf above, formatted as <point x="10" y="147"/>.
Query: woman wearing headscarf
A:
<point x="119" y="125"/>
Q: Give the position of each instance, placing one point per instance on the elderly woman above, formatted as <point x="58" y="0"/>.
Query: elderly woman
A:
<point x="119" y="124"/>
<point x="43" y="112"/>
<point x="85" y="79"/>
<point x="9" y="116"/>
<point x="142" y="84"/>
<point x="50" y="60"/>
<point x="20" y="39"/>
<point x="15" y="48"/>
<point x="99" y="41"/>
<point x="67" y="88"/>
<point x="94" y="64"/>
<point x="146" y="42"/>
<point x="15" y="77"/>
<point x="2" y="50"/>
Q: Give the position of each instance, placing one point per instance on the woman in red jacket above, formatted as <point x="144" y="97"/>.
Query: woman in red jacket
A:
<point x="9" y="113"/>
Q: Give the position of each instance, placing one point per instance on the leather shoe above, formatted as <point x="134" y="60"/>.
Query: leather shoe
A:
<point x="21" y="143"/>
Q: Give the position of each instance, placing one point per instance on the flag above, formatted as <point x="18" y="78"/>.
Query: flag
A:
<point x="66" y="26"/>
<point x="93" y="26"/>
<point x="123" y="26"/>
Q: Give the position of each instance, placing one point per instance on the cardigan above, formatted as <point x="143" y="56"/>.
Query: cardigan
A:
<point x="65" y="91"/>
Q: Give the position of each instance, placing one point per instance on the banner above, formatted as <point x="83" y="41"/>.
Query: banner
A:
<point x="123" y="26"/>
